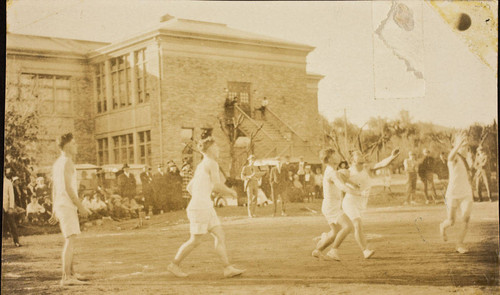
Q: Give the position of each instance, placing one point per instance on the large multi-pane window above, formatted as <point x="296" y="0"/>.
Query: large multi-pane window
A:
<point x="102" y="151"/>
<point x="54" y="92"/>
<point x="145" y="147"/>
<point x="121" y="82"/>
<point x="141" y="75"/>
<point x="100" y="78"/>
<point x="123" y="148"/>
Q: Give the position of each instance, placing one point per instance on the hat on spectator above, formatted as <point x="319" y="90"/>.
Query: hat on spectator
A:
<point x="125" y="166"/>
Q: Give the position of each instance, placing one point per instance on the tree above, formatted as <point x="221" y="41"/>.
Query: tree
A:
<point x="21" y="121"/>
<point x="231" y="132"/>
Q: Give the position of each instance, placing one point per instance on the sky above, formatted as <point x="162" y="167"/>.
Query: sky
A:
<point x="459" y="88"/>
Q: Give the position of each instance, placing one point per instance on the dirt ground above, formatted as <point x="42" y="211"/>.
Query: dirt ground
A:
<point x="410" y="257"/>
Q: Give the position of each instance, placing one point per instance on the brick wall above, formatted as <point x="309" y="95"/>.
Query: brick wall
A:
<point x="193" y="96"/>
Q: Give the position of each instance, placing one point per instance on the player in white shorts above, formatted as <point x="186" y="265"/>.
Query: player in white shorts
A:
<point x="331" y="208"/>
<point x="200" y="211"/>
<point x="459" y="191"/>
<point x="66" y="206"/>
<point x="355" y="203"/>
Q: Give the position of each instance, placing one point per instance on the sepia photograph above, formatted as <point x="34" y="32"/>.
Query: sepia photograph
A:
<point x="250" y="147"/>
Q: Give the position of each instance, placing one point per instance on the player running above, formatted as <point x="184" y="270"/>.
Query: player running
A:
<point x="340" y="225"/>
<point x="355" y="202"/>
<point x="459" y="191"/>
<point x="200" y="211"/>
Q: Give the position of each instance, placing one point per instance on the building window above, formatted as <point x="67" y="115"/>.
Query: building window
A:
<point x="102" y="151"/>
<point x="145" y="147"/>
<point x="123" y="149"/>
<point x="121" y="81"/>
<point x="241" y="90"/>
<point x="100" y="78"/>
<point x="141" y="75"/>
<point x="54" y="92"/>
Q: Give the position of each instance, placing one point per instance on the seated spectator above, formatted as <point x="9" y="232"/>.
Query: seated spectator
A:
<point x="86" y="202"/>
<point x="47" y="205"/>
<point x="99" y="207"/>
<point x="41" y="189"/>
<point x="34" y="211"/>
<point x="120" y="210"/>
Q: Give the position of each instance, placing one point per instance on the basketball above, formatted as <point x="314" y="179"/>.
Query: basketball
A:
<point x="464" y="22"/>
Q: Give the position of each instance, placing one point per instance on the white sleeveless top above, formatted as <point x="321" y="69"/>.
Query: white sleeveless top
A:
<point x="362" y="179"/>
<point x="459" y="186"/>
<point x="61" y="197"/>
<point x="201" y="185"/>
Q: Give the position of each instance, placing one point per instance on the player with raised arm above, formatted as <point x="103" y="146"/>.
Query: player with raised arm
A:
<point x="459" y="191"/>
<point x="200" y="211"/>
<point x="333" y="183"/>
<point x="354" y="203"/>
<point x="66" y="206"/>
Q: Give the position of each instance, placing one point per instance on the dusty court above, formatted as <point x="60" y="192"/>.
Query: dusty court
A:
<point x="410" y="257"/>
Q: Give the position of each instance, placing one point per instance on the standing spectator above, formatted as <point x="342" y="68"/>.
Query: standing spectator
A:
<point x="387" y="173"/>
<point x="410" y="165"/>
<point x="9" y="209"/>
<point x="263" y="105"/>
<point x="309" y="184"/>
<point x="159" y="189"/>
<point x="278" y="190"/>
<point x="187" y="175"/>
<point x="481" y="174"/>
<point x="147" y="190"/>
<point x="318" y="183"/>
<point x="442" y="170"/>
<point x="251" y="184"/>
<point x="426" y="173"/>
<point x="301" y="171"/>
<point x="126" y="183"/>
<point x="175" y="184"/>
<point x="229" y="109"/>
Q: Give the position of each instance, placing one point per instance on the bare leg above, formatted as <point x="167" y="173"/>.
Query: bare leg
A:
<point x="330" y="238"/>
<point x="67" y="257"/>
<point x="359" y="234"/>
<point x="449" y="221"/>
<point x="186" y="248"/>
<point x="249" y="202"/>
<point x="220" y="244"/>
<point x="463" y="232"/>
<point x="486" y="184"/>
<point x="345" y="228"/>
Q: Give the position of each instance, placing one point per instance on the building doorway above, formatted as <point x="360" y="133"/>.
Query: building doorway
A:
<point x="241" y="90"/>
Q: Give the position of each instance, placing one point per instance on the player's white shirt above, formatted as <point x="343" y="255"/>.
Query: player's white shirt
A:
<point x="361" y="178"/>
<point x="459" y="186"/>
<point x="201" y="185"/>
<point x="331" y="193"/>
<point x="61" y="197"/>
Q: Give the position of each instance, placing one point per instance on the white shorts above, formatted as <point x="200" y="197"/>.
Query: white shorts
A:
<point x="353" y="206"/>
<point x="68" y="221"/>
<point x="201" y="221"/>
<point x="464" y="204"/>
<point x="332" y="215"/>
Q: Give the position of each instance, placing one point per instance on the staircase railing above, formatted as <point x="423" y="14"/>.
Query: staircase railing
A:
<point x="268" y="110"/>
<point x="257" y="125"/>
